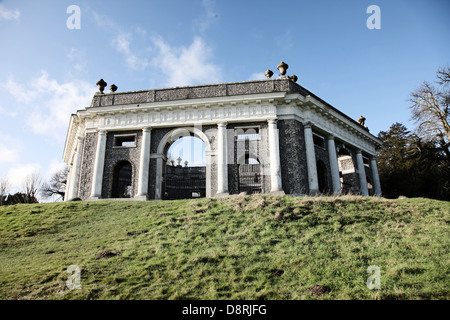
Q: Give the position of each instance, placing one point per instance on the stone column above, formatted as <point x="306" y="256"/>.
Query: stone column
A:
<point x="222" y="166"/>
<point x="275" y="163"/>
<point x="76" y="169"/>
<point x="375" y="176"/>
<point x="144" y="165"/>
<point x="311" y="160"/>
<point x="208" y="156"/>
<point x="99" y="164"/>
<point x="362" y="174"/>
<point x="159" y="173"/>
<point x="334" y="166"/>
<point x="68" y="183"/>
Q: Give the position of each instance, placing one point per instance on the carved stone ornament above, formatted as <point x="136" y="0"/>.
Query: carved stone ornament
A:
<point x="268" y="73"/>
<point x="113" y="88"/>
<point x="282" y="67"/>
<point x="361" y="120"/>
<point x="101" y="85"/>
<point x="294" y="78"/>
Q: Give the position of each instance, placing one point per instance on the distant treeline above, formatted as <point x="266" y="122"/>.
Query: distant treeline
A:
<point x="18" y="197"/>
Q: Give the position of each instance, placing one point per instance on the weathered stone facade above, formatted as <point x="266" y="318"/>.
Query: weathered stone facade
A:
<point x="272" y="136"/>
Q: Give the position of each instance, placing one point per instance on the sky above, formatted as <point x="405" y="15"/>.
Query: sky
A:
<point x="50" y="60"/>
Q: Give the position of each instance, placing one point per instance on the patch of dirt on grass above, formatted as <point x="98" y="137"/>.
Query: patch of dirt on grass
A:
<point x="276" y="272"/>
<point x="319" y="290"/>
<point x="106" y="255"/>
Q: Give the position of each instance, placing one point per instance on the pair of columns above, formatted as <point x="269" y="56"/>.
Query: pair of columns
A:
<point x="334" y="166"/>
<point x="144" y="164"/>
<point x="222" y="164"/>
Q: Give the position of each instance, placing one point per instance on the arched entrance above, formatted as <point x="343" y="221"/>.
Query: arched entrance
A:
<point x="185" y="175"/>
<point x="175" y="179"/>
<point x="122" y="180"/>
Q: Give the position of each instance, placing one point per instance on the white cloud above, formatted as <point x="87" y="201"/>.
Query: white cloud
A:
<point x="257" y="76"/>
<point x="18" y="91"/>
<point x="179" y="65"/>
<point x="8" y="154"/>
<point x="6" y="14"/>
<point x="186" y="66"/>
<point x="17" y="175"/>
<point x="50" y="103"/>
<point x="207" y="19"/>
<point x="6" y="112"/>
<point x="122" y="44"/>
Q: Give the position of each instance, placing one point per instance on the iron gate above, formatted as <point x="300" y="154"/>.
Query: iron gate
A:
<point x="250" y="178"/>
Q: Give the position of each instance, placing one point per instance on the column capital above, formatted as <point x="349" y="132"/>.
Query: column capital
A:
<point x="222" y="124"/>
<point x="102" y="132"/>
<point x="146" y="129"/>
<point x="272" y="121"/>
<point x="358" y="151"/>
<point x="373" y="157"/>
<point x="330" y="136"/>
<point x="307" y="124"/>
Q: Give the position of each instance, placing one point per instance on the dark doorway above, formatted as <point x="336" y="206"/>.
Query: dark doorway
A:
<point x="322" y="177"/>
<point x="122" y="180"/>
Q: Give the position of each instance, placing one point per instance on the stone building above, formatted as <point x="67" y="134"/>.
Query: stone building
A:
<point x="265" y="136"/>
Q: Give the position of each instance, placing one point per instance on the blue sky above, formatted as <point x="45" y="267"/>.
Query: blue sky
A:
<point x="48" y="71"/>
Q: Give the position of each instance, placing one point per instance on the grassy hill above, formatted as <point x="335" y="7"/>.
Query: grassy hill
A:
<point x="254" y="247"/>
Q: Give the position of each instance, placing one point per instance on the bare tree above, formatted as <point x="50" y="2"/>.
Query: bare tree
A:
<point x="430" y="110"/>
<point x="32" y="186"/>
<point x="56" y="185"/>
<point x="4" y="189"/>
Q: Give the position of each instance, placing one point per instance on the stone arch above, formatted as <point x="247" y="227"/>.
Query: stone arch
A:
<point x="177" y="133"/>
<point x="122" y="182"/>
<point x="166" y="141"/>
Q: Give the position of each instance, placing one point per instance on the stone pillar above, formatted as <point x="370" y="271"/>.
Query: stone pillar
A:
<point x="68" y="183"/>
<point x="76" y="170"/>
<point x="275" y="163"/>
<point x="362" y="174"/>
<point x="159" y="173"/>
<point x="311" y="160"/>
<point x="208" y="156"/>
<point x="99" y="164"/>
<point x="144" y="165"/>
<point x="375" y="176"/>
<point x="222" y="166"/>
<point x="334" y="166"/>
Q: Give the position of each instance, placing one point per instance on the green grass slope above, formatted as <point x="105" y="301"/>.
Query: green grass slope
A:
<point x="254" y="247"/>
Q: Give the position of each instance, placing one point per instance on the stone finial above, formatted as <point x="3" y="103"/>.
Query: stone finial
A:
<point x="186" y="163"/>
<point x="294" y="78"/>
<point x="268" y="73"/>
<point x="179" y="161"/>
<point x="101" y="85"/>
<point x="113" y="88"/>
<point x="361" y="120"/>
<point x="282" y="67"/>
